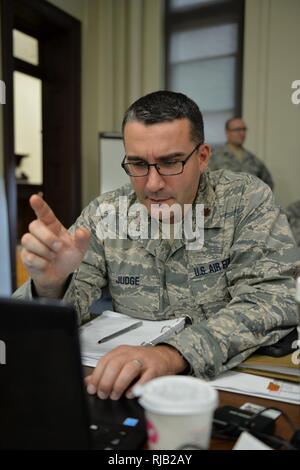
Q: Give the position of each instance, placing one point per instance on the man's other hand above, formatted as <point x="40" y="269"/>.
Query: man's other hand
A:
<point x="126" y="366"/>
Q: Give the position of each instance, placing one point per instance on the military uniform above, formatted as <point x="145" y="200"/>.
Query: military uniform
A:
<point x="223" y="157"/>
<point x="293" y="215"/>
<point x="232" y="287"/>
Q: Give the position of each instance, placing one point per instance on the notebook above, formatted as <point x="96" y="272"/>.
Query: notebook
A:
<point x="132" y="331"/>
<point x="43" y="401"/>
<point x="276" y="367"/>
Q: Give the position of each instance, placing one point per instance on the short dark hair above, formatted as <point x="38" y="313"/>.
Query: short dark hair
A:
<point x="163" y="106"/>
<point x="227" y="123"/>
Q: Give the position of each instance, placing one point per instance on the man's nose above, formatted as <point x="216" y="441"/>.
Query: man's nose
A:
<point x="155" y="181"/>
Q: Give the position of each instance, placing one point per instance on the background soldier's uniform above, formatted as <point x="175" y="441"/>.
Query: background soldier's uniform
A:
<point x="223" y="158"/>
<point x="293" y="215"/>
<point x="232" y="287"/>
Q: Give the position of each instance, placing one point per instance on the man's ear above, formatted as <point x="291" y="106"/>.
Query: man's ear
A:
<point x="204" y="155"/>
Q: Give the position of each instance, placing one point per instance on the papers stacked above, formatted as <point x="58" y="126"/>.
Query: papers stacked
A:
<point x="247" y="384"/>
<point x="109" y="323"/>
<point x="284" y="368"/>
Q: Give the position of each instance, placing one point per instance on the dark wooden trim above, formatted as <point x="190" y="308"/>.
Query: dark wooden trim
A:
<point x="37" y="17"/>
<point x="30" y="69"/>
<point x="8" y="130"/>
<point x="200" y="14"/>
<point x="61" y="65"/>
<point x="59" y="36"/>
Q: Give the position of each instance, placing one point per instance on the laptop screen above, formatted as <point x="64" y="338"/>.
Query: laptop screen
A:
<point x="42" y="401"/>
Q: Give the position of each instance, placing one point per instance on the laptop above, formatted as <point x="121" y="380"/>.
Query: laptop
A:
<point x="43" y="400"/>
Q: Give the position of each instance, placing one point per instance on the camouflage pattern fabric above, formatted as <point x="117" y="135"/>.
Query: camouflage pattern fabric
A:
<point x="233" y="288"/>
<point x="293" y="215"/>
<point x="223" y="158"/>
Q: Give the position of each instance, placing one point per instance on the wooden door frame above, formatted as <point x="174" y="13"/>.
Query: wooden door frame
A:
<point x="60" y="62"/>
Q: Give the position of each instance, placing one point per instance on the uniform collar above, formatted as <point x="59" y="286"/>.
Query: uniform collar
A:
<point x="212" y="219"/>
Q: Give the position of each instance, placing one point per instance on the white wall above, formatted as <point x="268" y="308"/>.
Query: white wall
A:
<point x="271" y="64"/>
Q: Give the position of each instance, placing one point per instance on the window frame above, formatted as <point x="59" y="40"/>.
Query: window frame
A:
<point x="208" y="15"/>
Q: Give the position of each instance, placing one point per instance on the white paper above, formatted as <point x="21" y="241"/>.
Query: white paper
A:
<point x="248" y="384"/>
<point x="109" y="322"/>
<point x="248" y="442"/>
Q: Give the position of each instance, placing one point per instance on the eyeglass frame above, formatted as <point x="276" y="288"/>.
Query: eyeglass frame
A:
<point x="238" y="129"/>
<point x="156" y="165"/>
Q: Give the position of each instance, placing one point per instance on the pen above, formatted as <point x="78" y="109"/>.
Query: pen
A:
<point x="120" y="332"/>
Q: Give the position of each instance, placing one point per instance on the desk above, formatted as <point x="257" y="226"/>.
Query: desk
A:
<point x="282" y="428"/>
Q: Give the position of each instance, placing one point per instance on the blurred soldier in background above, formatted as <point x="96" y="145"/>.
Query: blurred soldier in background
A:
<point x="233" y="156"/>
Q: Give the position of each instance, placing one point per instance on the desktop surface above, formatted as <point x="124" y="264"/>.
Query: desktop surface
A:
<point x="282" y="429"/>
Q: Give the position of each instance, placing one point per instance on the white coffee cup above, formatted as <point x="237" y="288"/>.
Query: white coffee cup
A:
<point x="179" y="411"/>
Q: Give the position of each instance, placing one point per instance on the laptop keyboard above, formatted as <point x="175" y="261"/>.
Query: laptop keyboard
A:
<point x="116" y="425"/>
<point x="113" y="437"/>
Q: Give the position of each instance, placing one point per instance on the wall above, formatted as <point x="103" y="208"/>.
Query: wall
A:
<point x="271" y="64"/>
<point x="112" y="79"/>
<point x="121" y="60"/>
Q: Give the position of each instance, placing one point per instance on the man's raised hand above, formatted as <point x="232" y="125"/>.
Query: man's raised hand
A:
<point x="50" y="253"/>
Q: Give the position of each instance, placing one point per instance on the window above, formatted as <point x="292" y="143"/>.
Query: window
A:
<point x="28" y="128"/>
<point x="27" y="88"/>
<point x="25" y="47"/>
<point x="204" y="56"/>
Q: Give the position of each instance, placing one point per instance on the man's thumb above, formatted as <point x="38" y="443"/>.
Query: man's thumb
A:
<point x="82" y="238"/>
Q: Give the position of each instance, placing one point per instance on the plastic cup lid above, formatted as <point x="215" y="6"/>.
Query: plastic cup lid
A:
<point x="177" y="395"/>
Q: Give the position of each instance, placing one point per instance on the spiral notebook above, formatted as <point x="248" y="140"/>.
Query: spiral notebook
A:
<point x="141" y="333"/>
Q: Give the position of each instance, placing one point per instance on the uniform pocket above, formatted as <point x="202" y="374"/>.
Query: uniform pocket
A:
<point x="135" y="292"/>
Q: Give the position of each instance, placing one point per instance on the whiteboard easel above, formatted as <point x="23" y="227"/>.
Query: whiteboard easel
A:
<point x="111" y="154"/>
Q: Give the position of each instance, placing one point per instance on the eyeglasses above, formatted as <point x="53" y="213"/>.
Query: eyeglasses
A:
<point x="167" y="168"/>
<point x="239" y="129"/>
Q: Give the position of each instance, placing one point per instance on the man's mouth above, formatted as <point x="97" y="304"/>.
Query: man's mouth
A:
<point x="158" y="201"/>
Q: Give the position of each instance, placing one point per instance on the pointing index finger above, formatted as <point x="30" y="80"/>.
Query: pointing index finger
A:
<point x="44" y="213"/>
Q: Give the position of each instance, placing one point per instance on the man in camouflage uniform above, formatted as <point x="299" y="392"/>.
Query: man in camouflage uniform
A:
<point x="293" y="215"/>
<point x="233" y="156"/>
<point x="233" y="287"/>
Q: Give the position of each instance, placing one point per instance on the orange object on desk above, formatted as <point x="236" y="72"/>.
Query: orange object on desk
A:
<point x="22" y="274"/>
